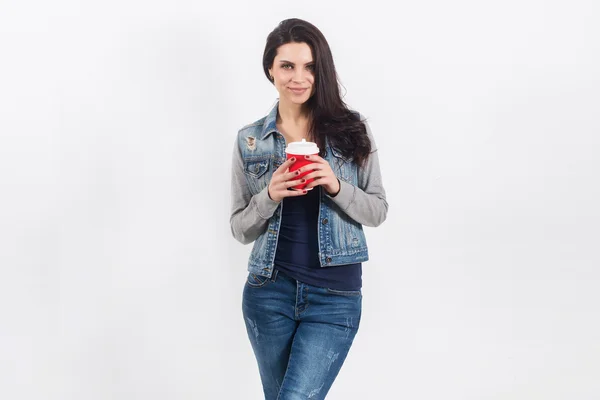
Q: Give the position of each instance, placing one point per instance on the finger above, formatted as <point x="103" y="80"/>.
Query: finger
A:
<point x="284" y="185"/>
<point x="317" y="182"/>
<point x="293" y="193"/>
<point x="310" y="167"/>
<point x="281" y="180"/>
<point x="289" y="184"/>
<point x="290" y="175"/>
<point x="316" y="158"/>
<point x="318" y="174"/>
<point x="283" y="167"/>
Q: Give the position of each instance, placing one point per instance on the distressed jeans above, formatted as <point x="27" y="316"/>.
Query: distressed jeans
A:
<point x="300" y="334"/>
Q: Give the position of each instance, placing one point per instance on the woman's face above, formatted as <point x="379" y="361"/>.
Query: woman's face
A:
<point x="293" y="72"/>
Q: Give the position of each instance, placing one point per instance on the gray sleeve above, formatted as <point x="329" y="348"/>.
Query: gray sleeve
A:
<point x="249" y="214"/>
<point x="366" y="204"/>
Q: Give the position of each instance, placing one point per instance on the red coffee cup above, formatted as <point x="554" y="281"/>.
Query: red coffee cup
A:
<point x="299" y="150"/>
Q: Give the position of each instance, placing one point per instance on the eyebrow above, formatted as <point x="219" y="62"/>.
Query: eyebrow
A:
<point x="289" y="62"/>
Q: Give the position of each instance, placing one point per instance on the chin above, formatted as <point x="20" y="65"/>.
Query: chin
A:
<point x="299" y="100"/>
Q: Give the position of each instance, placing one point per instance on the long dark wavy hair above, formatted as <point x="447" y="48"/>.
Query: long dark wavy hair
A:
<point x="329" y="116"/>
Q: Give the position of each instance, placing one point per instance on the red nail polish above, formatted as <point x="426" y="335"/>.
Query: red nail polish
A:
<point x="304" y="191"/>
<point x="307" y="157"/>
<point x="293" y="159"/>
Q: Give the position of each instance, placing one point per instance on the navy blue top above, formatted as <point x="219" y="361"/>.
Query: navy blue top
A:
<point x="297" y="252"/>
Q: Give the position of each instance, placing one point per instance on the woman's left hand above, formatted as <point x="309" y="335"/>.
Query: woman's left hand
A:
<point x="323" y="175"/>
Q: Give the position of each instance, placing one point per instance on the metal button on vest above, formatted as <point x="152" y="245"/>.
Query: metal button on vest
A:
<point x="328" y="259"/>
<point x="325" y="221"/>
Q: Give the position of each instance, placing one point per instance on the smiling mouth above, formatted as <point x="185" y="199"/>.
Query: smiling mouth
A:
<point x="300" y="90"/>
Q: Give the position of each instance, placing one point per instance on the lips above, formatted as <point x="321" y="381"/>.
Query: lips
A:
<point x="298" y="90"/>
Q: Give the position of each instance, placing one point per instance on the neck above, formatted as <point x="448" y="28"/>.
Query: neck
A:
<point x="292" y="114"/>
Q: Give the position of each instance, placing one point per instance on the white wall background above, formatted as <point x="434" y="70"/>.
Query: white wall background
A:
<point x="119" y="278"/>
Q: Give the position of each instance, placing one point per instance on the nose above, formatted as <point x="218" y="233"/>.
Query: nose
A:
<point x="299" y="75"/>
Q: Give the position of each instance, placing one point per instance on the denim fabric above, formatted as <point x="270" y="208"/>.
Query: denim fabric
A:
<point x="300" y="334"/>
<point x="257" y="153"/>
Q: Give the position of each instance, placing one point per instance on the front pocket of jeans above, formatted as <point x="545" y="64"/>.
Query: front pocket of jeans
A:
<point x="344" y="292"/>
<point x="257" y="281"/>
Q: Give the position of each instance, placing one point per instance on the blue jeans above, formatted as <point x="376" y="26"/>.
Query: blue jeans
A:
<point x="300" y="334"/>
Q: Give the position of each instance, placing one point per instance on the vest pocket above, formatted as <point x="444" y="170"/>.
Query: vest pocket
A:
<point x="338" y="154"/>
<point x="256" y="173"/>
<point x="256" y="168"/>
<point x="343" y="166"/>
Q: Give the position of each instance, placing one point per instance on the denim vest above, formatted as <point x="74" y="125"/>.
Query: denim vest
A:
<point x="341" y="239"/>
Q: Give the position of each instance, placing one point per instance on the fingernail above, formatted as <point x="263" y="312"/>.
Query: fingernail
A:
<point x="303" y="180"/>
<point x="293" y="159"/>
<point x="307" y="157"/>
<point x="304" y="191"/>
<point x="297" y="172"/>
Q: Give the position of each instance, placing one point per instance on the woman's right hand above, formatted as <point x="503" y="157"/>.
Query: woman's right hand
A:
<point x="282" y="180"/>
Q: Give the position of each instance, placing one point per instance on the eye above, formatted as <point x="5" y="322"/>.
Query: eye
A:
<point x="311" y="67"/>
<point x="287" y="66"/>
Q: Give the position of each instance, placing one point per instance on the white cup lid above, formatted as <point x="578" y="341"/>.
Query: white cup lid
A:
<point x="302" y="148"/>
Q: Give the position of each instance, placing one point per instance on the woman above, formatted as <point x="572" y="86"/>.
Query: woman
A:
<point x="302" y="298"/>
